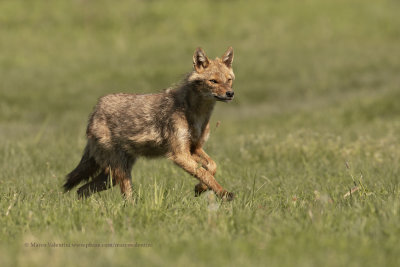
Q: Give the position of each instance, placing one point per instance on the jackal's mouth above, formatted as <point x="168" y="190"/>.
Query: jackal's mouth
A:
<point x="223" y="98"/>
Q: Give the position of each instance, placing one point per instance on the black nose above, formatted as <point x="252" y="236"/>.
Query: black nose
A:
<point x="230" y="93"/>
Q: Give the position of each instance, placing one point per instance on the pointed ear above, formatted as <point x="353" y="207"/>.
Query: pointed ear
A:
<point x="227" y="58"/>
<point x="200" y="60"/>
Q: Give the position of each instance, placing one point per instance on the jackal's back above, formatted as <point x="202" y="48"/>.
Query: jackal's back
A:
<point x="131" y="124"/>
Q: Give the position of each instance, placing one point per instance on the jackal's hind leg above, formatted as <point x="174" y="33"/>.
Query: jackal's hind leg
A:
<point x="124" y="180"/>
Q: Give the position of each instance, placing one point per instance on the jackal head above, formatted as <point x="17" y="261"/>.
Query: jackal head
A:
<point x="214" y="78"/>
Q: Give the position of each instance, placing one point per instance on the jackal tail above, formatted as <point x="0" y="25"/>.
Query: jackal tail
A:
<point x="86" y="168"/>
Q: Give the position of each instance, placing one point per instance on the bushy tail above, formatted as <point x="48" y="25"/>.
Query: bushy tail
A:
<point x="86" y="168"/>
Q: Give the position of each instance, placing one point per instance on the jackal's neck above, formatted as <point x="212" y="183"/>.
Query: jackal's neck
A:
<point x="196" y="105"/>
<point x="199" y="104"/>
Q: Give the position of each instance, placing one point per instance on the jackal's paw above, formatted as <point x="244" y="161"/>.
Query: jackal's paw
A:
<point x="228" y="196"/>
<point x="200" y="188"/>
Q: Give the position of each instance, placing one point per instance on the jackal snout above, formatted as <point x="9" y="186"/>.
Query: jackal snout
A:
<point x="216" y="75"/>
<point x="223" y="93"/>
<point x="230" y="93"/>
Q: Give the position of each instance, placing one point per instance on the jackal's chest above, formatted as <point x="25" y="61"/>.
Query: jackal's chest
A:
<point x="199" y="132"/>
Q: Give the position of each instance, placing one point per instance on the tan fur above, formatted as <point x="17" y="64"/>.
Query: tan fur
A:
<point x="173" y="124"/>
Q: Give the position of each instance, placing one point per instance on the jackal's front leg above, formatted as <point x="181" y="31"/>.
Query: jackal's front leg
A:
<point x="201" y="157"/>
<point x="189" y="164"/>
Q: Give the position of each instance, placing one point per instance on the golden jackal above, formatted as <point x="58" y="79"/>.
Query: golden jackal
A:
<point x="174" y="124"/>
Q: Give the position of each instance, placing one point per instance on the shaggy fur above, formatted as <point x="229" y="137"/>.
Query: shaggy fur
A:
<point x="173" y="124"/>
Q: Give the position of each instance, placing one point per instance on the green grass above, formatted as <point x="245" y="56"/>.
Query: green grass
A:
<point x="317" y="85"/>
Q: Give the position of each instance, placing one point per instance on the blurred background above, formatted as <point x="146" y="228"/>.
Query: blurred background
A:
<point x="317" y="85"/>
<point x="58" y="57"/>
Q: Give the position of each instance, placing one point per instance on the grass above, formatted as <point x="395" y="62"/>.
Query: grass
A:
<point x="317" y="90"/>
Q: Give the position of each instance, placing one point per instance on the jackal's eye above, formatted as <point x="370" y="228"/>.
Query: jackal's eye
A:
<point x="213" y="81"/>
<point x="229" y="80"/>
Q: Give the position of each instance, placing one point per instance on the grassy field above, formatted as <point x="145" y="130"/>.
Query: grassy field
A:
<point x="316" y="113"/>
